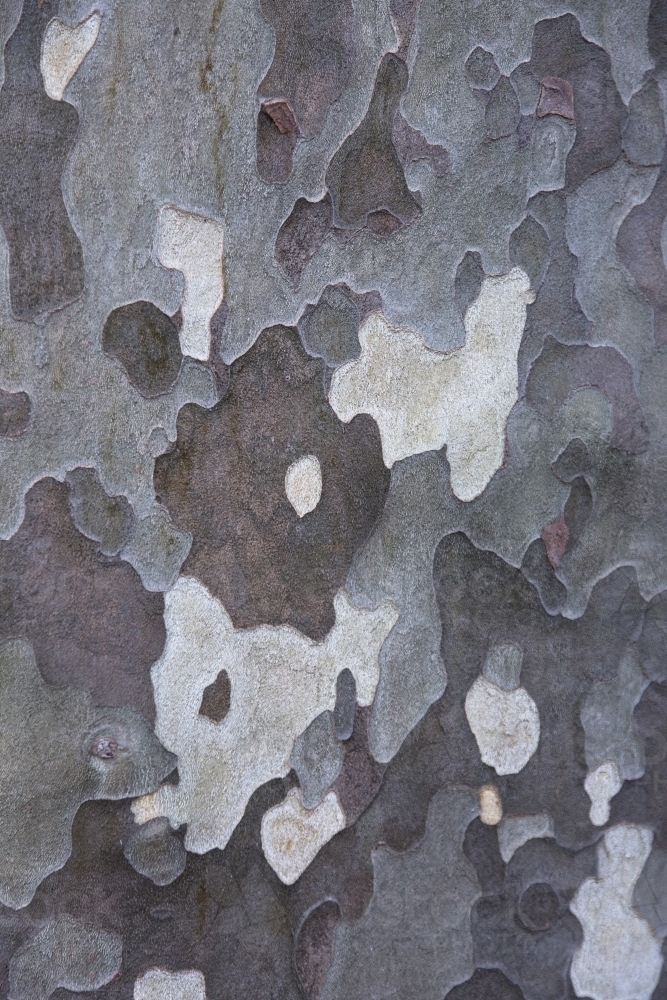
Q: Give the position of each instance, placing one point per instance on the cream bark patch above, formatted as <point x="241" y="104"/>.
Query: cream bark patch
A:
<point x="292" y="836"/>
<point x="193" y="244"/>
<point x="506" y="725"/>
<point x="303" y="484"/>
<point x="63" y="51"/>
<point x="422" y="399"/>
<point x="280" y="681"/>
<point x="490" y="805"/>
<point x="620" y="959"/>
<point x="158" y="984"/>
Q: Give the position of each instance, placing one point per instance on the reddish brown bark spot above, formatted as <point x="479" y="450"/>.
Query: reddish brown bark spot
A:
<point x="556" y="98"/>
<point x="555" y="537"/>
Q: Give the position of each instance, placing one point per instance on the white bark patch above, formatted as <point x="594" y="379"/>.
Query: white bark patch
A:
<point x="280" y="681"/>
<point x="63" y="51"/>
<point x="620" y="958"/>
<point x="303" y="484"/>
<point x="601" y="785"/>
<point x="292" y="836"/>
<point x="506" y="725"/>
<point x="422" y="399"/>
<point x="193" y="244"/>
<point x="158" y="984"/>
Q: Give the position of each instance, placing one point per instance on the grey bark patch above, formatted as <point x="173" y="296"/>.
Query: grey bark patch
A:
<point x="486" y="984"/>
<point x="573" y="462"/>
<point x="104" y="519"/>
<point x="227" y="914"/>
<point x="404" y="13"/>
<point x="275" y="147"/>
<point x="556" y="310"/>
<point x="313" y="56"/>
<point x="642" y="801"/>
<point x="639" y="244"/>
<point x="365" y="176"/>
<point x="538" y="570"/>
<point x="529" y="250"/>
<point x="88" y="618"/>
<point x="216" y="698"/>
<point x="578" y="509"/>
<point x="560" y="51"/>
<point x="40" y="791"/>
<point x="361" y="776"/>
<point x="566" y="368"/>
<point x="157" y="549"/>
<point x="527" y="929"/>
<point x="657" y="34"/>
<point x="45" y="255"/>
<point x="346" y="703"/>
<point x="595" y="213"/>
<point x="650" y="893"/>
<point x="412" y="146"/>
<point x="484" y="602"/>
<point x="155" y="851"/>
<point x="482" y="70"/>
<point x="515" y="831"/>
<point x="314" y="945"/>
<point x="399" y="552"/>
<point x="502" y="665"/>
<point x="64" y="954"/>
<point x="374" y="951"/>
<point x="468" y="280"/>
<point x="644" y="130"/>
<point x="652" y="645"/>
<point x="607" y="718"/>
<point x="15" y="410"/>
<point x="539" y="907"/>
<point x="145" y="341"/>
<point x="526" y="87"/>
<point x="317" y="758"/>
<point x="220" y="370"/>
<point x="366" y="302"/>
<point x="329" y="329"/>
<point x="502" y="112"/>
<point x="480" y="847"/>
<point x="301" y="235"/>
<point x="660" y="992"/>
<point x="544" y="555"/>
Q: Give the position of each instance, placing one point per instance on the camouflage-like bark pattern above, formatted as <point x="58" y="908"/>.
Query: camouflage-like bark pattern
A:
<point x="333" y="499"/>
